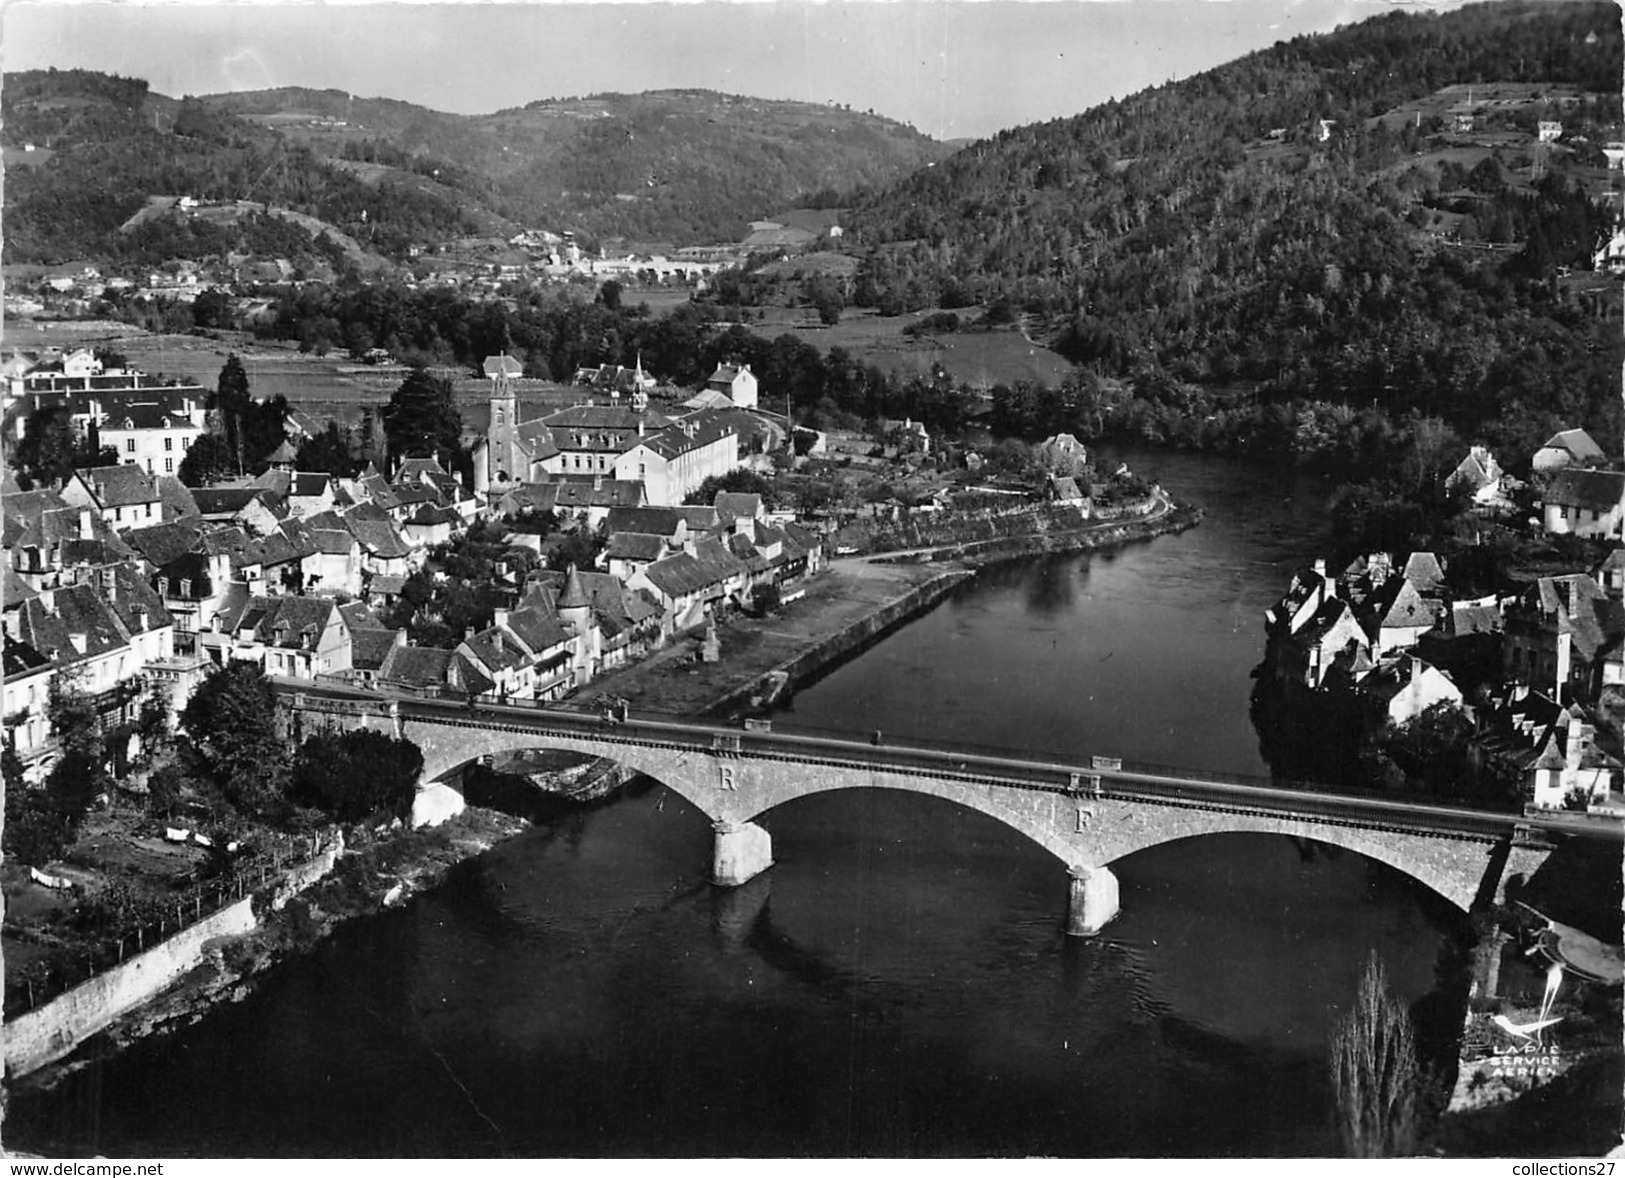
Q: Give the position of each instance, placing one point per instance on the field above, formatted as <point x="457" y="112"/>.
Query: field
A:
<point x="978" y="358"/>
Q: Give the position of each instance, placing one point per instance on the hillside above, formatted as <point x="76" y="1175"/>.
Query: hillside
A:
<point x="108" y="146"/>
<point x="1313" y="220"/>
<point x="677" y="166"/>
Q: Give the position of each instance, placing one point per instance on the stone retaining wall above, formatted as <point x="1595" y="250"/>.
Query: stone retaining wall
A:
<point x="55" y="1029"/>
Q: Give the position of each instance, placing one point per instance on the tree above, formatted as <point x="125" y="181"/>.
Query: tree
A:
<point x="209" y="459"/>
<point x="50" y="450"/>
<point x="1375" y="1075"/>
<point x="740" y="480"/>
<point x="356" y="775"/>
<point x="421" y="419"/>
<point x="231" y="402"/>
<point x="610" y="295"/>
<point x="231" y="720"/>
<point x="41" y="823"/>
<point x="328" y="451"/>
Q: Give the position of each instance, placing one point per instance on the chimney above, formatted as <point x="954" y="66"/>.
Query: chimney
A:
<point x="141" y="619"/>
<point x="1320" y="565"/>
<point x="640" y="427"/>
<point x="14" y="624"/>
<point x="79" y="641"/>
<point x="1575" y="745"/>
<point x="47" y="600"/>
<point x="500" y="618"/>
<point x="688" y="546"/>
<point x="598" y="482"/>
<point x="86" y="529"/>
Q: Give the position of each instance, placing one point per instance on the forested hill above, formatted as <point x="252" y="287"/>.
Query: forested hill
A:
<point x="1205" y="230"/>
<point x="678" y="166"/>
<point x="683" y="165"/>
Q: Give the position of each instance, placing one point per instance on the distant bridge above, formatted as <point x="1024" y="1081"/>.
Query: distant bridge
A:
<point x="1086" y="816"/>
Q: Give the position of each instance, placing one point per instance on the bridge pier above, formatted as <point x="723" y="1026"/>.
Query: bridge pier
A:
<point x="1092" y="900"/>
<point x="743" y="851"/>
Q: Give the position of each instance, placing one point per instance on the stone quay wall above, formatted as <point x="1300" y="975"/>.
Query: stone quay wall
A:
<point x="52" y="1031"/>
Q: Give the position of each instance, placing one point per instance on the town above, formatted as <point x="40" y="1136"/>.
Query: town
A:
<point x="759" y="629"/>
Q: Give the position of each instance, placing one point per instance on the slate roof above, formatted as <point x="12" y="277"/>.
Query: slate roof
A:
<point x="538" y="627"/>
<point x="573" y="596"/>
<point x="358" y="615"/>
<point x="118" y="486"/>
<point x="378" y="537"/>
<point x="308" y="484"/>
<point x="683" y="574"/>
<point x="694" y="433"/>
<point x="14" y="590"/>
<point x="230" y="501"/>
<point x="160" y="544"/>
<point x="1423" y="570"/>
<point x="417" y="666"/>
<point x="1398" y="604"/>
<point x="369" y="648"/>
<point x="495" y="648"/>
<point x="412" y="470"/>
<point x="643" y="547"/>
<point x="285" y="621"/>
<point x="1475" y="619"/>
<point x="1592" y="490"/>
<point x="139" y="606"/>
<point x="650" y="521"/>
<point x="387" y="584"/>
<point x="21" y="659"/>
<point x="1578" y="443"/>
<point x="47" y="621"/>
<point x="429" y="514"/>
<point x="584" y="493"/>
<point x="732" y="505"/>
<point x="144" y="415"/>
<point x="177" y="498"/>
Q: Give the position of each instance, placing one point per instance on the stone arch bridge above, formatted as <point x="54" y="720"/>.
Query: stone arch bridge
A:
<point x="1088" y="818"/>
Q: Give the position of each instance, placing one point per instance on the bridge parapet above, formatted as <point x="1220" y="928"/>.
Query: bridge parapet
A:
<point x="1088" y="819"/>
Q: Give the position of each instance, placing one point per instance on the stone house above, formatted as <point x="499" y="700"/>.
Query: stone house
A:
<point x="124" y="496"/>
<point x="1570" y="447"/>
<point x="1568" y="762"/>
<point x="1405" y="687"/>
<point x="1582" y="502"/>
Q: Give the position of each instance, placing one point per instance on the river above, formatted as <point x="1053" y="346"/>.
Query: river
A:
<point x="898" y="984"/>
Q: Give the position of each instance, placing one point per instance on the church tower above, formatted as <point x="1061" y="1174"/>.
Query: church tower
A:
<point x="504" y="463"/>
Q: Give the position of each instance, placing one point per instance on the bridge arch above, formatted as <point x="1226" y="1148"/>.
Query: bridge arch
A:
<point x="1456" y="887"/>
<point x="1087" y="833"/>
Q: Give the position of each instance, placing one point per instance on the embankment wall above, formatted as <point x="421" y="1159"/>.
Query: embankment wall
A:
<point x="813" y="660"/>
<point x="55" y="1029"/>
<point x="48" y="1033"/>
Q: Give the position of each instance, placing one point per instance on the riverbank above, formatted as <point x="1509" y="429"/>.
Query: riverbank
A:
<point x="853" y="604"/>
<point x="375" y="871"/>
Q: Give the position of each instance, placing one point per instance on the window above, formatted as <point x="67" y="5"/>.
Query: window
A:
<point x="499" y="415"/>
<point x="169" y="464"/>
<point x="169" y="443"/>
<point x="129" y="445"/>
<point x="186" y="586"/>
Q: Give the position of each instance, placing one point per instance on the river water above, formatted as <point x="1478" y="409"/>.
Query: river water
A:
<point x="898" y="984"/>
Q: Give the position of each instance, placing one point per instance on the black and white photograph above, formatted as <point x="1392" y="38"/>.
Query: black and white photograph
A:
<point x="901" y="580"/>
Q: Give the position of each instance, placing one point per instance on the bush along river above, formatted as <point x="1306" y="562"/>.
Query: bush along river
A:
<point x="898" y="984"/>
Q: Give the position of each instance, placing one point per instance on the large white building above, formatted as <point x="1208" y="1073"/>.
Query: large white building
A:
<point x="673" y="463"/>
